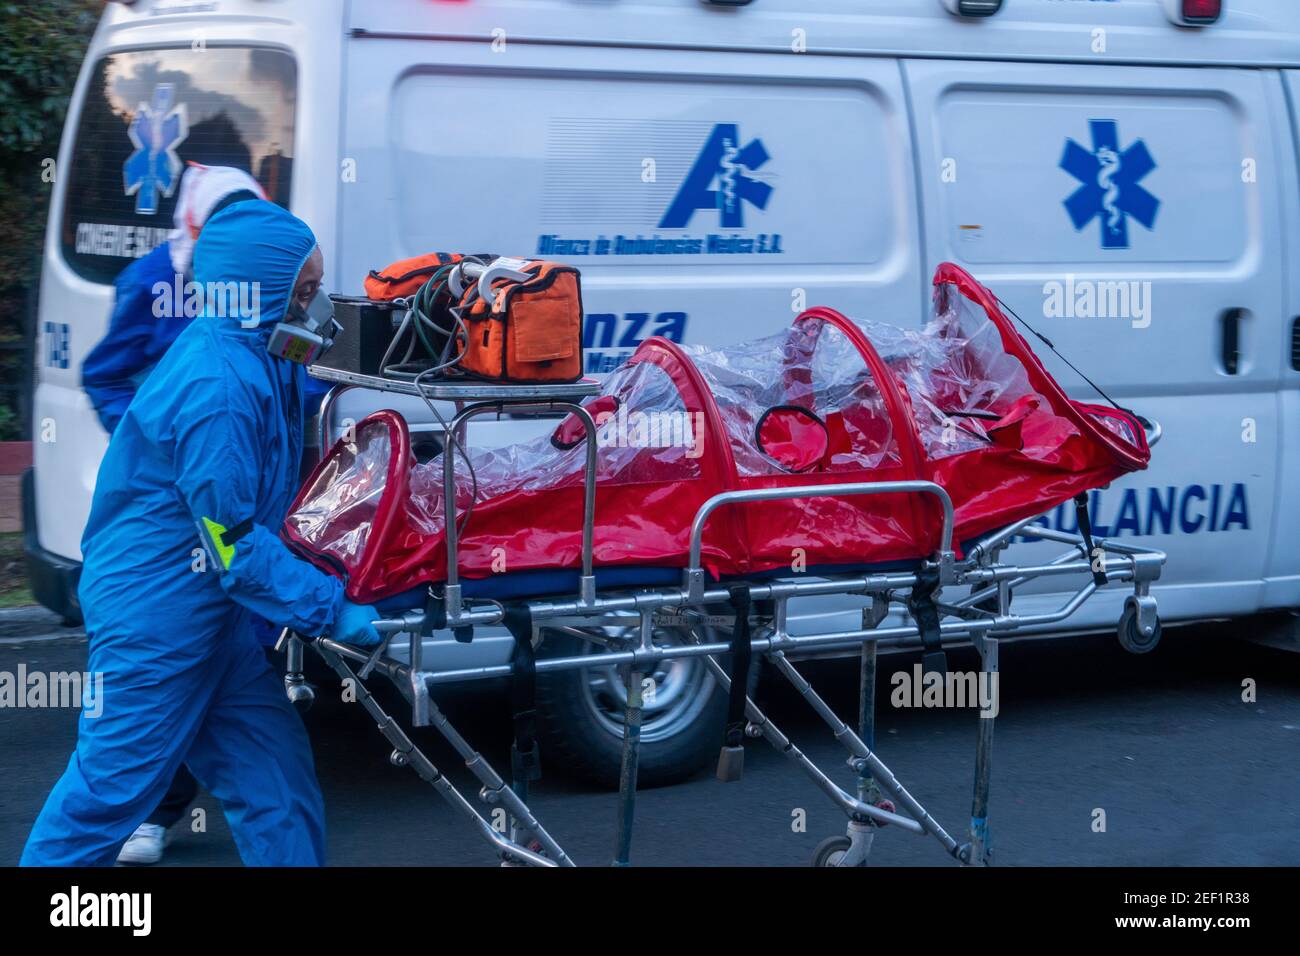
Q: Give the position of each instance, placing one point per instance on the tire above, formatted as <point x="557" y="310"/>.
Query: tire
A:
<point x="1132" y="639"/>
<point x="581" y="727"/>
<point x="830" y="851"/>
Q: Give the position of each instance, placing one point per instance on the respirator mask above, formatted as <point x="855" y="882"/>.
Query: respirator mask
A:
<point x="304" y="335"/>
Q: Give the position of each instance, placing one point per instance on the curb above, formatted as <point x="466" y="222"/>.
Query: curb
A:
<point x="33" y="623"/>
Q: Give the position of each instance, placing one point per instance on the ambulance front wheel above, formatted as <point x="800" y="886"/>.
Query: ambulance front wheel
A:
<point x="1131" y="636"/>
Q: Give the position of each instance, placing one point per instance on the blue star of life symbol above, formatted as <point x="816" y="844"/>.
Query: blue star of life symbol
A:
<point x="1110" y="190"/>
<point x="155" y="133"/>
<point x="58" y="348"/>
<point x="719" y="180"/>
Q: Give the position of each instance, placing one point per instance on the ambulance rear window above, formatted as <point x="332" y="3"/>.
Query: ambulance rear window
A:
<point x="149" y="112"/>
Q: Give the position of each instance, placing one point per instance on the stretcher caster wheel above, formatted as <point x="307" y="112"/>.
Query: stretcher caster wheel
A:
<point x="300" y="695"/>
<point x="964" y="854"/>
<point x="1137" y="619"/>
<point x="831" y="851"/>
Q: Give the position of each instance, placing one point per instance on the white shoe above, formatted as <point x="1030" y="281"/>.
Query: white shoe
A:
<point x="145" y="845"/>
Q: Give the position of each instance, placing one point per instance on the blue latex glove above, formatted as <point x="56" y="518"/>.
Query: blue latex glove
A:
<point x="352" y="624"/>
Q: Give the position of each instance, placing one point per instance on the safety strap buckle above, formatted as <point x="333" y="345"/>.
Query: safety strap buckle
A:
<point x="731" y="760"/>
<point x="1085" y="531"/>
<point x="921" y="605"/>
<point x="525" y="758"/>
<point x="525" y="765"/>
<point x="435" y="619"/>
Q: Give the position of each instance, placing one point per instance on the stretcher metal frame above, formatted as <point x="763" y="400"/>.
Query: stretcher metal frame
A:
<point x="625" y="622"/>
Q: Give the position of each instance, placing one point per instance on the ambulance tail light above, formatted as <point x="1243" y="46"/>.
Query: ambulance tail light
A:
<point x="1194" y="13"/>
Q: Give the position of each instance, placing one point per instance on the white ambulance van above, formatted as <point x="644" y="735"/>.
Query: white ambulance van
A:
<point x="1123" y="173"/>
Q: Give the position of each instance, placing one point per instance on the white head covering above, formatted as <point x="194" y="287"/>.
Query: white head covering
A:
<point x="202" y="187"/>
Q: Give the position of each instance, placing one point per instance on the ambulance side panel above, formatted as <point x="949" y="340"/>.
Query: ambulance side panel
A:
<point x="706" y="199"/>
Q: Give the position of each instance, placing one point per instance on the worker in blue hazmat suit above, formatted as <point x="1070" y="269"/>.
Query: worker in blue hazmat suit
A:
<point x="147" y="317"/>
<point x="181" y="548"/>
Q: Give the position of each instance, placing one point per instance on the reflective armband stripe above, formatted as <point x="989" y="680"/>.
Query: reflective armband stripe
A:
<point x="219" y="541"/>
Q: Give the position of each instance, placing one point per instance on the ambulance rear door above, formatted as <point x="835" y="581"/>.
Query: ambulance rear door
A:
<point x="1134" y="216"/>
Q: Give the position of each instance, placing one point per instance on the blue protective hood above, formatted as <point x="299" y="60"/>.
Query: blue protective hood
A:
<point x="260" y="248"/>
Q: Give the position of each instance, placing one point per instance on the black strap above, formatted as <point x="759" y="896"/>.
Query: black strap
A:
<point x="435" y="618"/>
<point x="444" y="259"/>
<point x="242" y="195"/>
<point x="1048" y="342"/>
<point x="1085" y="529"/>
<point x="740" y="661"/>
<point x="525" y="758"/>
<point x="241" y="530"/>
<point x="926" y="614"/>
<point x="435" y="613"/>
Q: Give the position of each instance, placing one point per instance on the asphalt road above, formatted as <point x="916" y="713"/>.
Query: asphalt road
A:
<point x="1185" y="770"/>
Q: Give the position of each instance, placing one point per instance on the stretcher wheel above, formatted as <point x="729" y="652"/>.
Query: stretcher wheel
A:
<point x="830" y="851"/>
<point x="301" y="695"/>
<point x="1131" y="637"/>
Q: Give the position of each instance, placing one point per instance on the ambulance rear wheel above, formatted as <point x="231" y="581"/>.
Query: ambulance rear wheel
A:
<point x="581" y="712"/>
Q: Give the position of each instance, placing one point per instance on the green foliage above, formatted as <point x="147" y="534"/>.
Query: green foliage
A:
<point x="42" y="43"/>
<point x="9" y="430"/>
<point x="41" y="46"/>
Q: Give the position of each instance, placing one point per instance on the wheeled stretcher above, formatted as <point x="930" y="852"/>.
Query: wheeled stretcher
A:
<point x="818" y="465"/>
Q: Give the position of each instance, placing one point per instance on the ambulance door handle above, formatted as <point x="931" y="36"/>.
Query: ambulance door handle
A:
<point x="1230" y="340"/>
